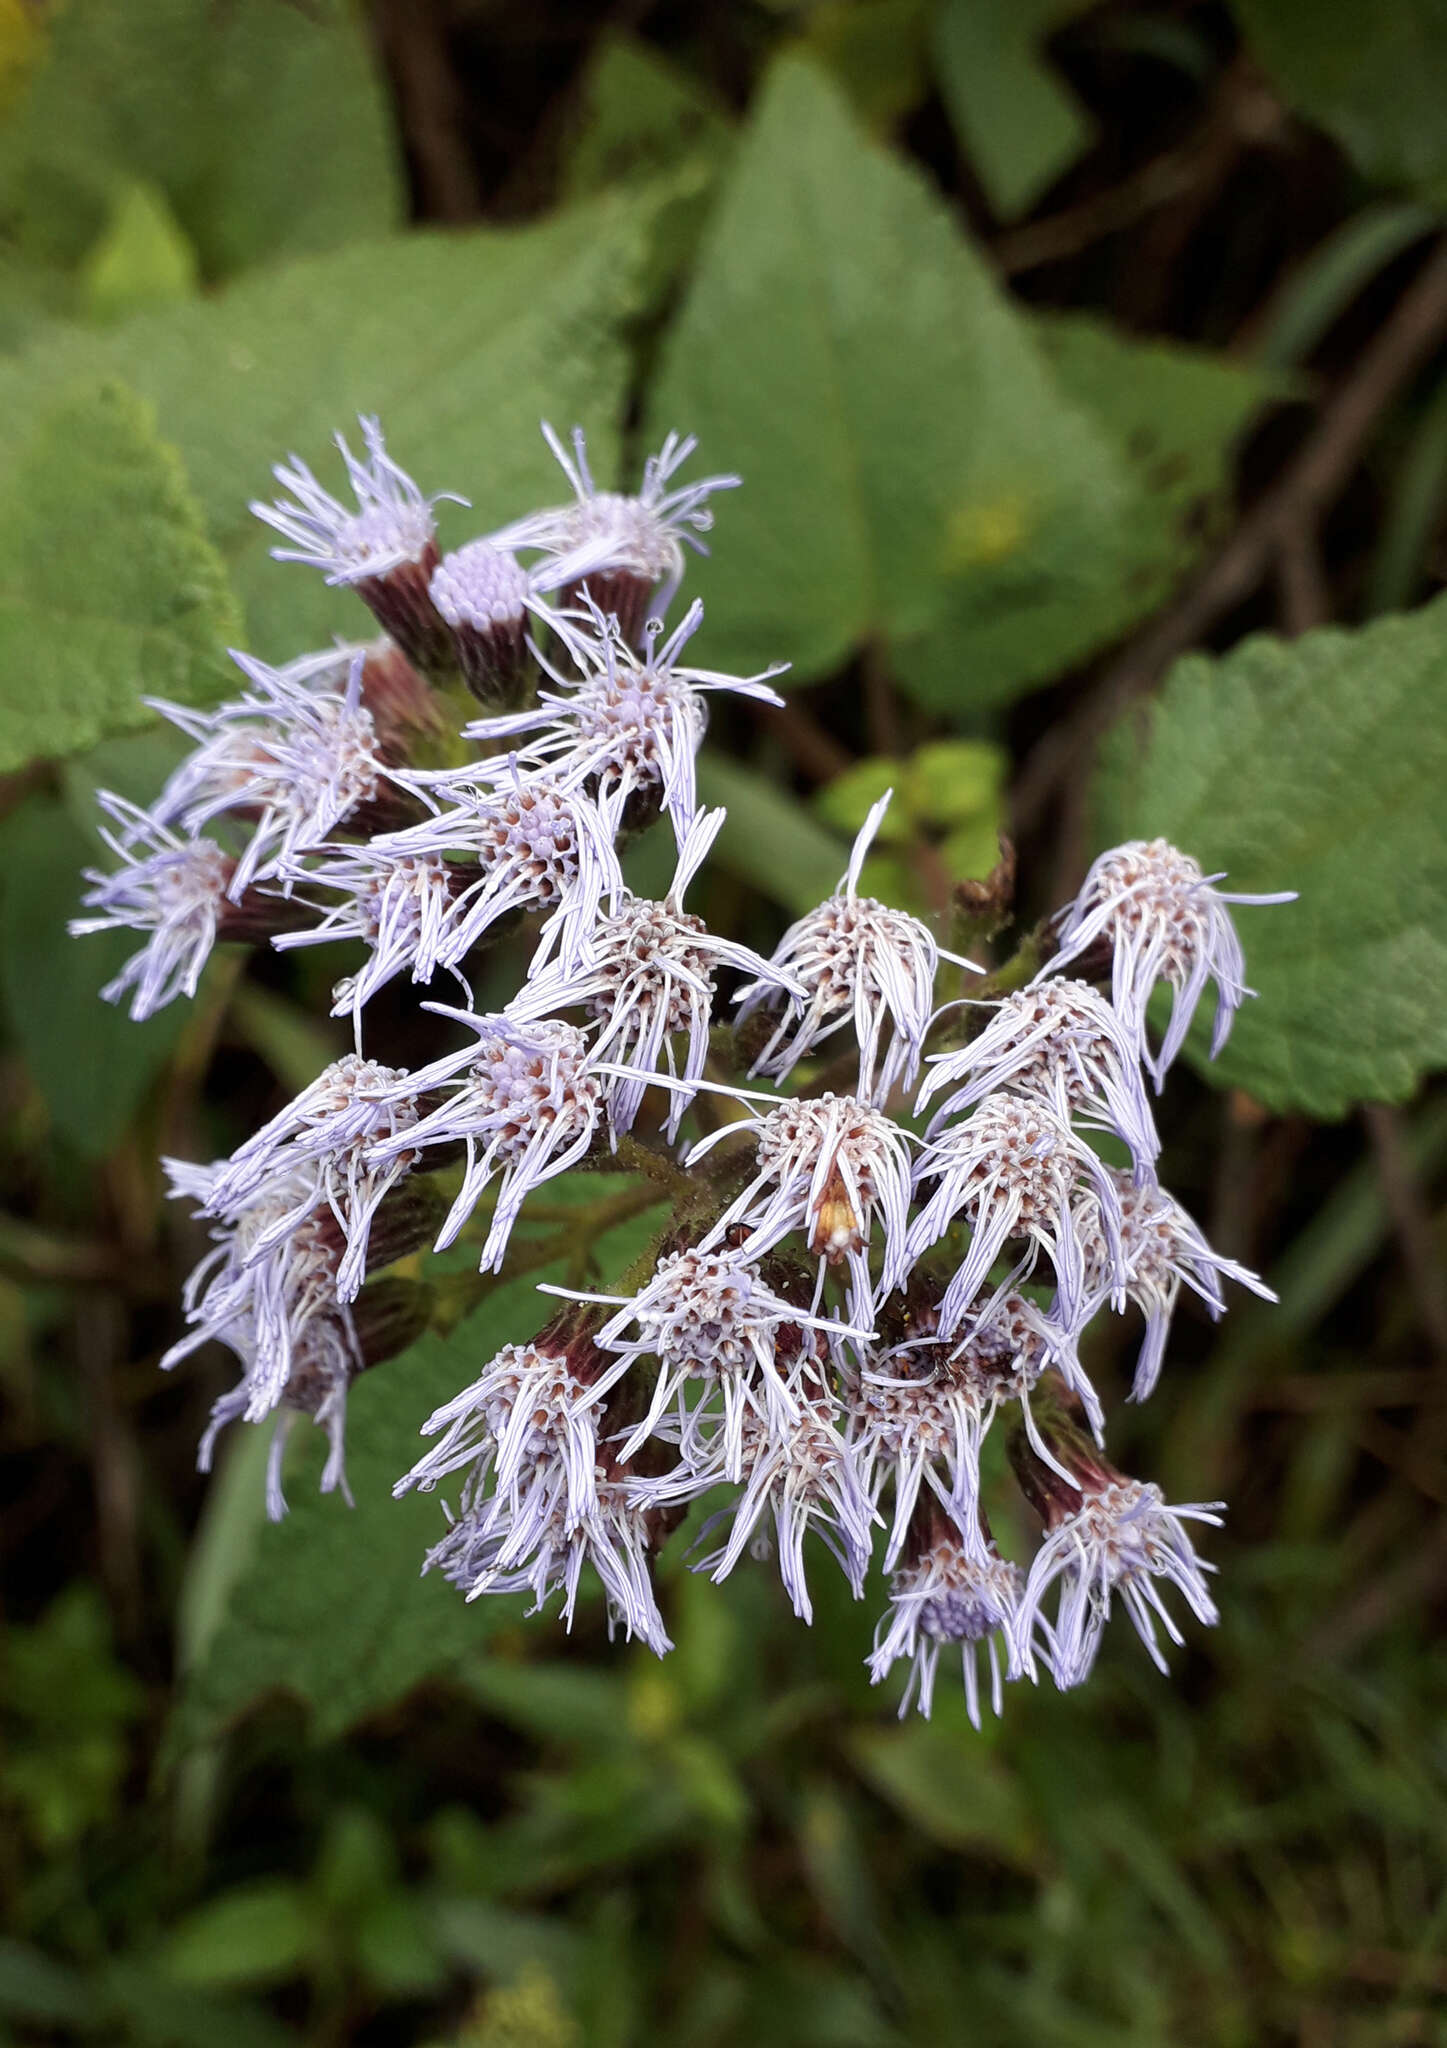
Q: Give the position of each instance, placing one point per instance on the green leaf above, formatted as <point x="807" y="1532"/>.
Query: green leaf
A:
<point x="331" y="1605"/>
<point x="1016" y="121"/>
<point x="262" y="123"/>
<point x="942" y="1778"/>
<point x="108" y="584"/>
<point x="1376" y="81"/>
<point x="460" y="342"/>
<point x="1172" y="417"/>
<point x="904" y="447"/>
<point x="1315" y="765"/>
<point x="255" y="1934"/>
<point x="89" y="1061"/>
<point x="34" y="1987"/>
<point x="142" y="259"/>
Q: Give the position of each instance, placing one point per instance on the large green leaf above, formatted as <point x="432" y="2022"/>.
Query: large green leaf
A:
<point x="461" y="342"/>
<point x="902" y="440"/>
<point x="1375" y="77"/>
<point x="330" y="1604"/>
<point x="1315" y="765"/>
<point x="262" y="123"/>
<point x="1173" y="416"/>
<point x="108" y="584"/>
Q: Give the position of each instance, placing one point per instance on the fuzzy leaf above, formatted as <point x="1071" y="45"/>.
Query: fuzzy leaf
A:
<point x="1315" y="765"/>
<point x="904" y="446"/>
<point x="108" y="584"/>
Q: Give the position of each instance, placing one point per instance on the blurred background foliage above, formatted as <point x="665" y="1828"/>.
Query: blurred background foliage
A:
<point x="1055" y="341"/>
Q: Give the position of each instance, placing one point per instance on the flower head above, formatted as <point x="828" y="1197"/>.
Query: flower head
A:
<point x="522" y="1104"/>
<point x="486" y="598"/>
<point x="630" y="724"/>
<point x="385" y="547"/>
<point x="399" y="904"/>
<point x="321" y="1147"/>
<point x="953" y="1593"/>
<point x="1015" y="1169"/>
<point x="824" y="1166"/>
<point x="294" y="755"/>
<point x="801" y="1473"/>
<point x="482" y="1555"/>
<point x="1161" y="1250"/>
<point x="634" y="545"/>
<point x="542" y="1496"/>
<point x="1164" y="920"/>
<point x="259" y="1303"/>
<point x="1062" y="1044"/>
<point x="716" y="1326"/>
<point x="526" y="1419"/>
<point x="645" y="976"/>
<point x="925" y="1405"/>
<point x="858" y="960"/>
<point x="535" y="847"/>
<point x="1106" y="1534"/>
<point x="176" y="890"/>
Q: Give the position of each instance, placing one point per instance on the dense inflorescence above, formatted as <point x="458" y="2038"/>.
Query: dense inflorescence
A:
<point x="843" y="1306"/>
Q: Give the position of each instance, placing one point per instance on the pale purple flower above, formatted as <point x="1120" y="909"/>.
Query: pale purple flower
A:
<point x="527" y="1415"/>
<point x="824" y="1165"/>
<point x="635" y="542"/>
<point x="541" y="1497"/>
<point x="956" y="1595"/>
<point x="292" y="756"/>
<point x="391" y="524"/>
<point x="1014" y="1169"/>
<point x="487" y="597"/>
<point x="325" y="1361"/>
<point x="859" y="961"/>
<point x="801" y="1474"/>
<point x="176" y="890"/>
<point x="627" y="725"/>
<point x="522" y="1103"/>
<point x="481" y="1556"/>
<point x="924" y="1406"/>
<point x="538" y="847"/>
<point x="713" y="1324"/>
<point x="1063" y="1044"/>
<point x="645" y="977"/>
<point x="399" y="905"/>
<point x="1161" y="1249"/>
<point x="322" y="1147"/>
<point x="1164" y="920"/>
<point x="1111" y="1535"/>
<point x="259" y="1306"/>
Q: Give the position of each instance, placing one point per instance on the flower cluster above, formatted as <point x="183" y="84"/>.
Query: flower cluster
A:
<point x="847" y="1298"/>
